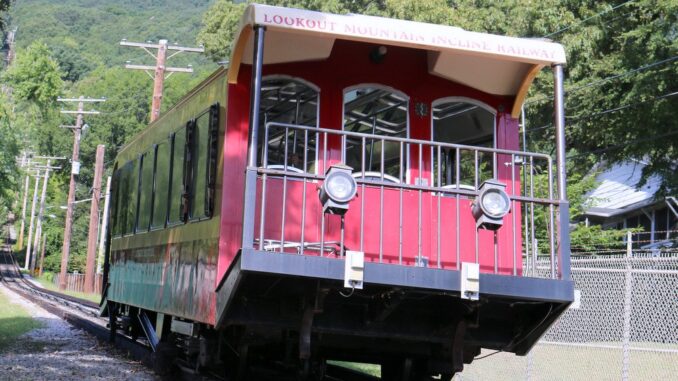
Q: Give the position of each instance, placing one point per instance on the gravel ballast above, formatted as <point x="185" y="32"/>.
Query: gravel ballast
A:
<point x="58" y="351"/>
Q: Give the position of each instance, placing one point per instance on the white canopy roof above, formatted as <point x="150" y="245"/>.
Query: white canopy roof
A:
<point x="494" y="64"/>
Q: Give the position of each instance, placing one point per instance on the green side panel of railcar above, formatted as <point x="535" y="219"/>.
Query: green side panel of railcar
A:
<point x="173" y="269"/>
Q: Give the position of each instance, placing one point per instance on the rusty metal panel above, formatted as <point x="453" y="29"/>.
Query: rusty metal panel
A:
<point x="176" y="279"/>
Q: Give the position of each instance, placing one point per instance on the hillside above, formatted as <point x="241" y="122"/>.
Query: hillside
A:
<point x="84" y="34"/>
<point x="71" y="48"/>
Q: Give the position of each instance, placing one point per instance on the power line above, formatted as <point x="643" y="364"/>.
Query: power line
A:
<point x="588" y="18"/>
<point x="546" y="126"/>
<point x="625" y="144"/>
<point x="622" y="107"/>
<point x="603" y="80"/>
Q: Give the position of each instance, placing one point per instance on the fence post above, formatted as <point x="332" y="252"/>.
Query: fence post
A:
<point x="627" y="308"/>
<point x="535" y="253"/>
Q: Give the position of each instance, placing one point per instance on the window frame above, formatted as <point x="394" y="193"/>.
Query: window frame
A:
<point x="142" y="164"/>
<point x="135" y="217"/>
<point x="191" y="176"/>
<point x="407" y="160"/>
<point x="312" y="86"/>
<point x="211" y="161"/>
<point x="472" y="101"/>
<point x="168" y="142"/>
<point x="136" y="214"/>
<point x="114" y="203"/>
<point x="170" y="195"/>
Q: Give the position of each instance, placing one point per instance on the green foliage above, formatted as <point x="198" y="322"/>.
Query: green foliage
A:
<point x="35" y="77"/>
<point x="83" y="37"/>
<point x="84" y="58"/>
<point x="625" y="117"/>
<point x="4" y="7"/>
<point x="85" y="34"/>
<point x="8" y="150"/>
<point x="220" y="25"/>
<point x="592" y="238"/>
<point x="601" y="40"/>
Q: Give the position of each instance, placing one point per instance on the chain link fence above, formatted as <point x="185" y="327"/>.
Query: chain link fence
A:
<point x="624" y="325"/>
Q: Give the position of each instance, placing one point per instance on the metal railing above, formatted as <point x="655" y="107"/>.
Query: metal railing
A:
<point x="283" y="206"/>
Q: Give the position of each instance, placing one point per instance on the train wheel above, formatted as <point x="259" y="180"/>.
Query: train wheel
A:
<point x="404" y="370"/>
<point x="135" y="329"/>
<point x="112" y="321"/>
<point x="237" y="365"/>
<point x="164" y="359"/>
<point x="312" y="370"/>
<point x="396" y="369"/>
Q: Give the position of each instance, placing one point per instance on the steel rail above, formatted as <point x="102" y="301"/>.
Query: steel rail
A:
<point x="135" y="349"/>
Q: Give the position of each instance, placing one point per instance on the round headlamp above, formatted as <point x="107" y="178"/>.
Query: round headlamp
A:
<point x="495" y="202"/>
<point x="340" y="186"/>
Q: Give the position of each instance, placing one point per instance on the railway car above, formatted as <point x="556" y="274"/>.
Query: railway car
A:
<point x="349" y="188"/>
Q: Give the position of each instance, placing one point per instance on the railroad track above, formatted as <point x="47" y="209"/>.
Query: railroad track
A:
<point x="84" y="314"/>
<point x="80" y="313"/>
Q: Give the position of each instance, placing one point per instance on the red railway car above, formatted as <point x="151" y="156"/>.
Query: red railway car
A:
<point x="350" y="188"/>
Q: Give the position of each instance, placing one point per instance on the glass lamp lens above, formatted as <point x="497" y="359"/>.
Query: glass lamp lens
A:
<point x="340" y="186"/>
<point x="495" y="203"/>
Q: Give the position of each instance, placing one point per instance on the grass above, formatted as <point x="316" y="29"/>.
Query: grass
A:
<point x="371" y="369"/>
<point x="576" y="363"/>
<point x="46" y="283"/>
<point x="14" y="321"/>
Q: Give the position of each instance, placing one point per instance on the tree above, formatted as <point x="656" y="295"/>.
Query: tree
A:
<point x="508" y="17"/>
<point x="602" y="39"/>
<point x="35" y="77"/>
<point x="8" y="150"/>
<point x="622" y="83"/>
<point x="4" y="7"/>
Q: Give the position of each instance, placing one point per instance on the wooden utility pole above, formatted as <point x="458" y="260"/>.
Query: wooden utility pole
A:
<point x="26" y="163"/>
<point x="160" y="69"/>
<point x="104" y="227"/>
<point x="75" y="170"/>
<point x="10" y="46"/>
<point x="41" y="212"/>
<point x="23" y="213"/>
<point x="42" y="254"/>
<point x="38" y="224"/>
<point x="30" y="225"/>
<point x="94" y="220"/>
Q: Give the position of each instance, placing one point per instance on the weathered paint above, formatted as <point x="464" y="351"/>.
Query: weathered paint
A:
<point x="172" y="270"/>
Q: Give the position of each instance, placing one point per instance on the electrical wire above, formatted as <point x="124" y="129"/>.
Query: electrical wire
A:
<point x="606" y="79"/>
<point x="623" y="107"/>
<point x="588" y="18"/>
<point x="624" y="144"/>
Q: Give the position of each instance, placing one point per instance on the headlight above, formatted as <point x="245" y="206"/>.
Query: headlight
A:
<point x="338" y="189"/>
<point x="495" y="202"/>
<point x="491" y="205"/>
<point x="340" y="186"/>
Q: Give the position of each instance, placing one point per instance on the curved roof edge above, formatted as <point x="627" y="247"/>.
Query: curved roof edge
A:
<point x="495" y="64"/>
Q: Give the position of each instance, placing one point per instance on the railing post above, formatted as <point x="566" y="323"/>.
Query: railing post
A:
<point x="563" y="208"/>
<point x="253" y="135"/>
